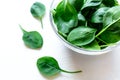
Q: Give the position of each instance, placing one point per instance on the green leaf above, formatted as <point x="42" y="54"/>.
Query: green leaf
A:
<point x="111" y="15"/>
<point x="110" y="3"/>
<point x="111" y="20"/>
<point x="65" y="17"/>
<point x="81" y="19"/>
<point x="112" y="33"/>
<point x="92" y="46"/>
<point x="90" y="7"/>
<point x="32" y="39"/>
<point x="97" y="16"/>
<point x="110" y="37"/>
<point x="81" y="36"/>
<point x="48" y="66"/>
<point x="38" y="11"/>
<point x="77" y="4"/>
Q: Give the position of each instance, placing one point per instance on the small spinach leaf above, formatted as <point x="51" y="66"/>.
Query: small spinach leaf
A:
<point x="48" y="66"/>
<point x="65" y="17"/>
<point x="90" y="7"/>
<point x="38" y="10"/>
<point x="32" y="39"/>
<point x="81" y="19"/>
<point x="92" y="46"/>
<point x="97" y="16"/>
<point x="110" y="3"/>
<point x="77" y="4"/>
<point x="81" y="36"/>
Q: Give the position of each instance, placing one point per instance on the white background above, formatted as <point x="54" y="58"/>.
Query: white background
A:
<point x="17" y="62"/>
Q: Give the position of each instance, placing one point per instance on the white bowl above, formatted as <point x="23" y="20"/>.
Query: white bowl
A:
<point x="72" y="47"/>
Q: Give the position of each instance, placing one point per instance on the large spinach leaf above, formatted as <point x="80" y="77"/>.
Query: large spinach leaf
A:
<point x="81" y="36"/>
<point x="65" y="17"/>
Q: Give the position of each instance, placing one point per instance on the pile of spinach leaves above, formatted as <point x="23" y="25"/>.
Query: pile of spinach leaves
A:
<point x="89" y="24"/>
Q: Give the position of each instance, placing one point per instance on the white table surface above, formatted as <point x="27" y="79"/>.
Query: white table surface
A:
<point x="18" y="62"/>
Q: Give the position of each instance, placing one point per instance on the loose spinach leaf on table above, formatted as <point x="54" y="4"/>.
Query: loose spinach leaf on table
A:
<point x="77" y="4"/>
<point x="65" y="17"/>
<point x="110" y="3"/>
<point x="48" y="66"/>
<point x="38" y="10"/>
<point x="89" y="7"/>
<point x="32" y="39"/>
<point x="81" y="36"/>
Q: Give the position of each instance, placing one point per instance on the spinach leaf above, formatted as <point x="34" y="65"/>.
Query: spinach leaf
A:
<point x="111" y="15"/>
<point x="92" y="46"/>
<point x="97" y="26"/>
<point x="81" y="19"/>
<point x="77" y="4"/>
<point x="112" y="33"/>
<point x="97" y="16"/>
<point x="90" y="7"/>
<point x="111" y="19"/>
<point x="48" y="66"/>
<point x="110" y="37"/>
<point x="32" y="39"/>
<point x="110" y="3"/>
<point x="65" y="17"/>
<point x="38" y="10"/>
<point x="81" y="36"/>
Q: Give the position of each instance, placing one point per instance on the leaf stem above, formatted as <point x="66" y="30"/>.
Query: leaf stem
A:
<point x="101" y="40"/>
<point x="24" y="31"/>
<point x="107" y="45"/>
<point x="107" y="27"/>
<point x="41" y="23"/>
<point x="104" y="46"/>
<point x="70" y="71"/>
<point x="86" y="23"/>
